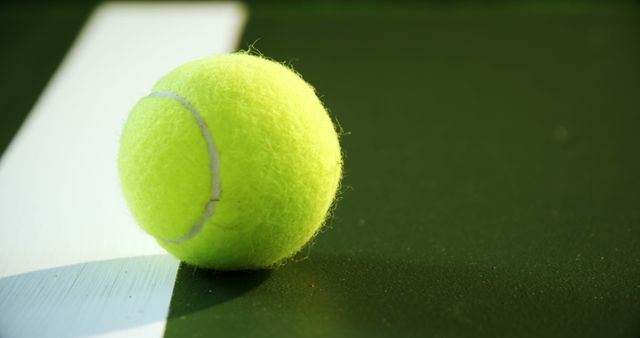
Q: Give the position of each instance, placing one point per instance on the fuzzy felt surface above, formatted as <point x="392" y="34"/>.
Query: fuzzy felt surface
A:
<point x="280" y="162"/>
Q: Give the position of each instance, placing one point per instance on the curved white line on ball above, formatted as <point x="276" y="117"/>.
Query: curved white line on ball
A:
<point x="214" y="166"/>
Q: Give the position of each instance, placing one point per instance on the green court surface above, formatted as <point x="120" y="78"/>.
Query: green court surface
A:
<point x="491" y="184"/>
<point x="492" y="175"/>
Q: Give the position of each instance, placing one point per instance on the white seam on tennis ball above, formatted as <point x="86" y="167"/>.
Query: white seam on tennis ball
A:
<point x="214" y="166"/>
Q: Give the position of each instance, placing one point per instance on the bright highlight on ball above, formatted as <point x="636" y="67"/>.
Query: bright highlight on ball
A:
<point x="231" y="162"/>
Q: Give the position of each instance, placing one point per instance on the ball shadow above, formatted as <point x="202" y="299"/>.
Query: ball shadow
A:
<point x="371" y="296"/>
<point x="196" y="289"/>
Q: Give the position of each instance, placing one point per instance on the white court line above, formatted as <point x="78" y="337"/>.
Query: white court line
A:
<point x="60" y="202"/>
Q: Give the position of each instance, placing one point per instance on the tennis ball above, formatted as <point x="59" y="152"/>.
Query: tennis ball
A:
<point x="231" y="162"/>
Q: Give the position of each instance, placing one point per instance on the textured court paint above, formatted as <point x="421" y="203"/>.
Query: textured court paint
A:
<point x="60" y="202"/>
<point x="88" y="298"/>
<point x="491" y="179"/>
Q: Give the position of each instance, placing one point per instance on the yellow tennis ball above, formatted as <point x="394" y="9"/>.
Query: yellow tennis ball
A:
<point x="231" y="162"/>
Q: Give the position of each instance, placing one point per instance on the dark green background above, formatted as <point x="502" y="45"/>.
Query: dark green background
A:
<point x="492" y="182"/>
